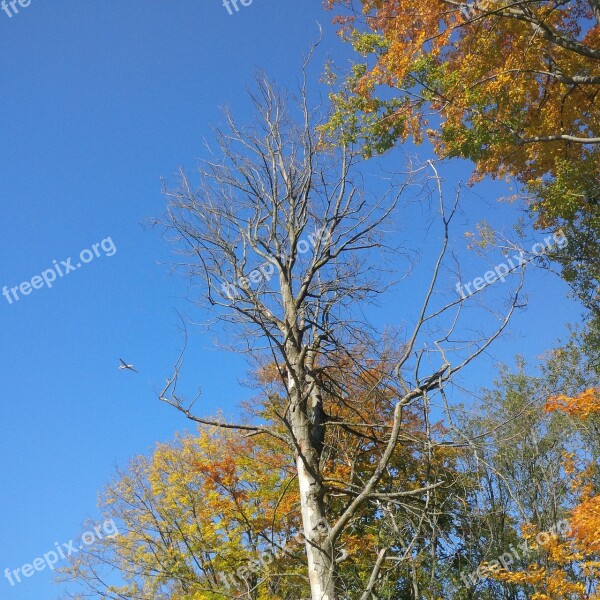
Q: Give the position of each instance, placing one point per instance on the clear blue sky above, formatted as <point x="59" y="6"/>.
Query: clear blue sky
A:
<point x="98" y="101"/>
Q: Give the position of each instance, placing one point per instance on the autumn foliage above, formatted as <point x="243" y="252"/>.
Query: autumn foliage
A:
<point x="511" y="85"/>
<point x="566" y="566"/>
<point x="496" y="85"/>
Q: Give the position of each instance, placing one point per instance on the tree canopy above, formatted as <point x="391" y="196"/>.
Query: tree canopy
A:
<point x="511" y="85"/>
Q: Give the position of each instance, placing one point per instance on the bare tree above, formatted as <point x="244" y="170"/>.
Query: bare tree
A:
<point x="281" y="233"/>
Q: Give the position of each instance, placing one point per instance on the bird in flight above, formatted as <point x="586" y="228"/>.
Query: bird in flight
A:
<point x="124" y="365"/>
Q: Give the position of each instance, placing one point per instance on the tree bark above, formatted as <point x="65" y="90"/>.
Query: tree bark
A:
<point x="319" y="551"/>
<point x="321" y="562"/>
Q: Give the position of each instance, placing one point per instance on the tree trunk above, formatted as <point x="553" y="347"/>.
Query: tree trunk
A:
<point x="321" y="562"/>
<point x="320" y="554"/>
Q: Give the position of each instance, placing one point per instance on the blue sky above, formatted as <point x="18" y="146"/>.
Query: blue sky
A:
<point x="99" y="100"/>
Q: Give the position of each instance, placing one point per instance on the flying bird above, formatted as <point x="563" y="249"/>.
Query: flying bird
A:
<point x="126" y="366"/>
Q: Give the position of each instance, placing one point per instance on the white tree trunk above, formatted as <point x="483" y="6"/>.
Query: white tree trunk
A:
<point x="321" y="563"/>
<point x="320" y="555"/>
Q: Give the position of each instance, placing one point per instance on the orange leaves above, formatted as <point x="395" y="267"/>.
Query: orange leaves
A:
<point x="564" y="563"/>
<point x="586" y="524"/>
<point x="581" y="406"/>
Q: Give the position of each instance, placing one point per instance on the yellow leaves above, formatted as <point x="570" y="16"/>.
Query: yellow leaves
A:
<point x="482" y="238"/>
<point x="550" y="582"/>
<point x="198" y="507"/>
<point x="533" y="576"/>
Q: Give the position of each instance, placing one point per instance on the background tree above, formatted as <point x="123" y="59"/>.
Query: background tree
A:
<point x="210" y="516"/>
<point x="511" y="85"/>
<point x="568" y="566"/>
<point x="523" y="486"/>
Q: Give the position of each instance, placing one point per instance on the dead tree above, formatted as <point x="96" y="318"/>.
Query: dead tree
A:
<point x="285" y="240"/>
